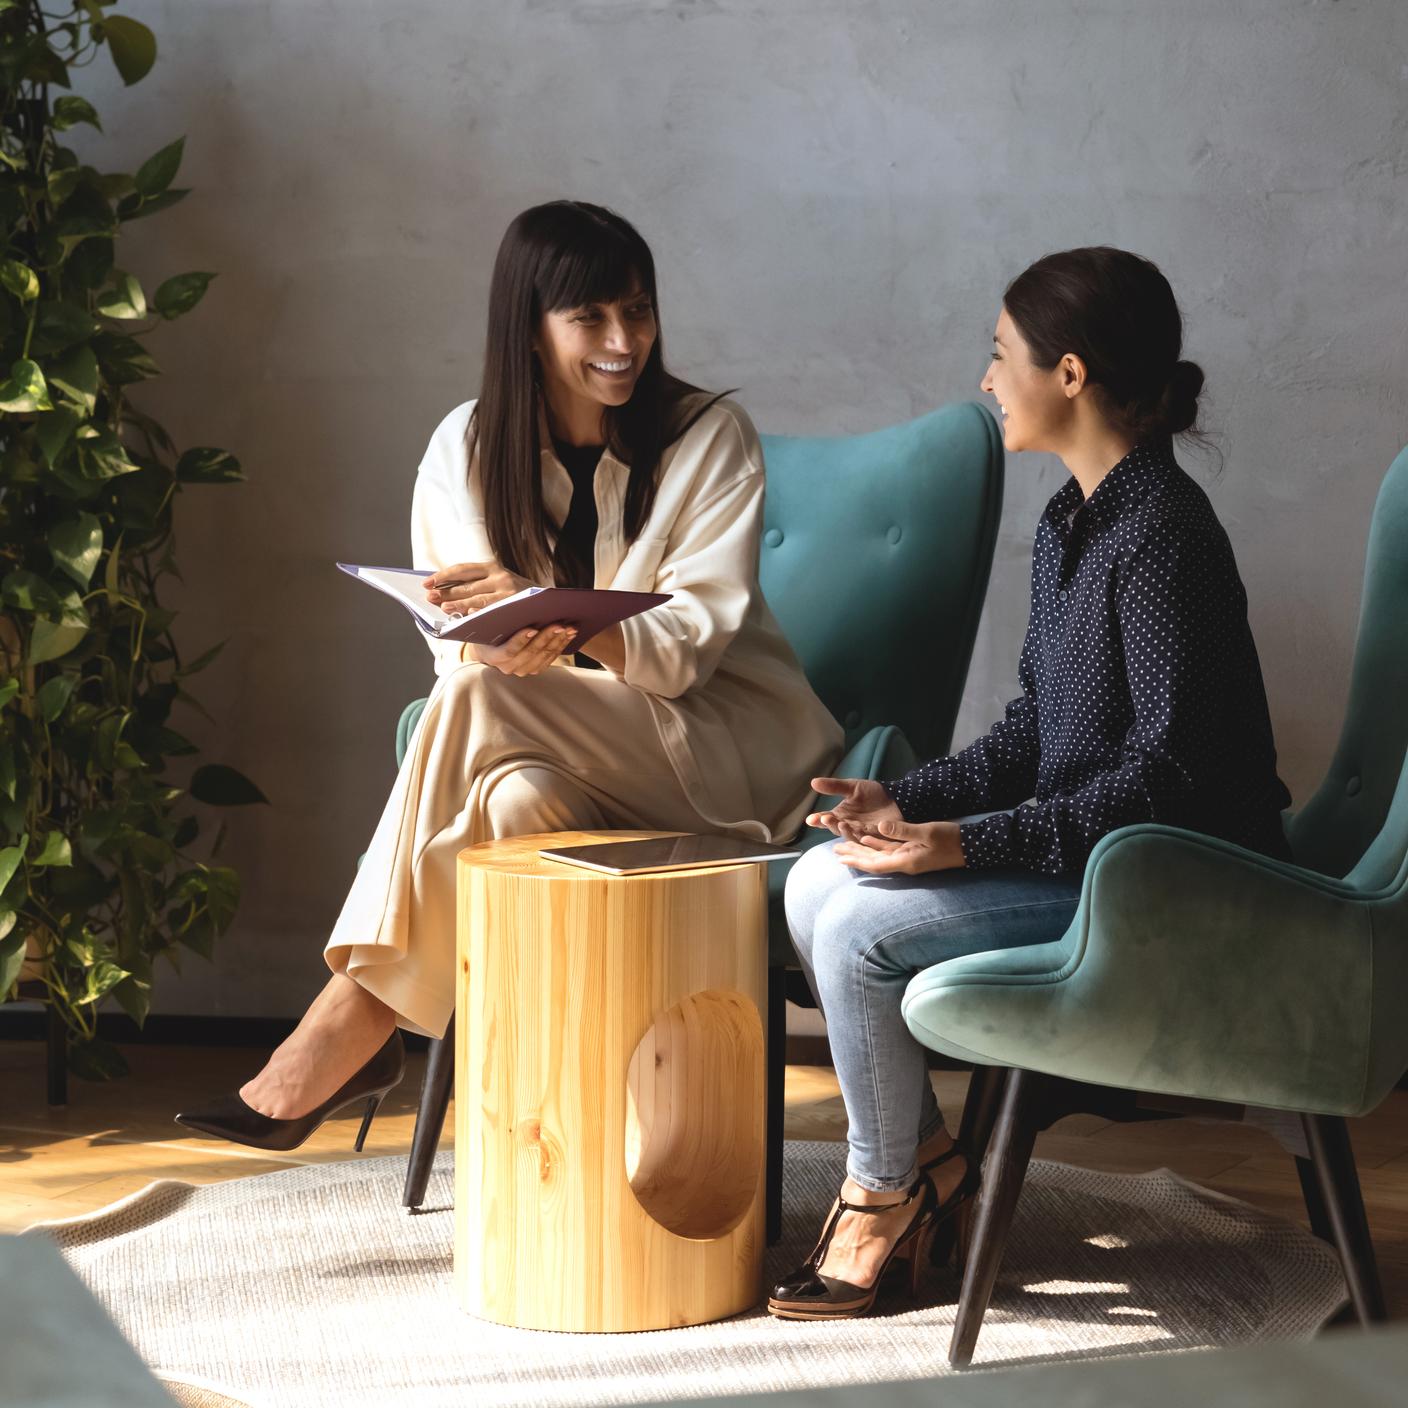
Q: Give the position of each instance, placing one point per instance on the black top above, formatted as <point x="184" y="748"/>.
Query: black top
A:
<point x="574" y="557"/>
<point x="1142" y="693"/>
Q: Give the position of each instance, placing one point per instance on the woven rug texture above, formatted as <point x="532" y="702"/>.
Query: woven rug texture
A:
<point x="313" y="1288"/>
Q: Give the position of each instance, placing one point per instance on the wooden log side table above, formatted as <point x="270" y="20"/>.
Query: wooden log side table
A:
<point x="609" y="1078"/>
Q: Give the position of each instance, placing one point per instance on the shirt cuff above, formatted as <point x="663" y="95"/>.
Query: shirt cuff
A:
<point x="988" y="844"/>
<point x="912" y="808"/>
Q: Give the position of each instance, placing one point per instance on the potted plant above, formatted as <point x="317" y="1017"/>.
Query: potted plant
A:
<point x="98" y="875"/>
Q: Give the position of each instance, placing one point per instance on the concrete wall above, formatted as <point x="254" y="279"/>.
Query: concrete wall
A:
<point x="837" y="194"/>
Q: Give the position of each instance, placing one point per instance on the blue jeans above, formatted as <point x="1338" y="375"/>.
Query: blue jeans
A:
<point x="860" y="939"/>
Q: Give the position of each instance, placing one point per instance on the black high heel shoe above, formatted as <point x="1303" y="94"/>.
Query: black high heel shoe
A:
<point x="230" y="1118"/>
<point x="805" y="1294"/>
<point x="953" y="1215"/>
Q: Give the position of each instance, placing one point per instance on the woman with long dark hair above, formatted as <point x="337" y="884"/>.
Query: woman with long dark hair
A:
<point x="582" y="463"/>
<point x="1142" y="700"/>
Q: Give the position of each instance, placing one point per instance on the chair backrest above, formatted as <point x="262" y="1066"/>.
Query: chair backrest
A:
<point x="1356" y="824"/>
<point x="875" y="559"/>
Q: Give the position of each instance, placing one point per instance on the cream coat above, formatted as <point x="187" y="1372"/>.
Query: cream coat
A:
<point x="733" y="711"/>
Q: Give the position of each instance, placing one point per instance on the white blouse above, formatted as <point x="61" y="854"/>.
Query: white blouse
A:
<point x="734" y="712"/>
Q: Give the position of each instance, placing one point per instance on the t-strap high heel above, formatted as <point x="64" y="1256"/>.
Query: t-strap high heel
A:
<point x="805" y="1294"/>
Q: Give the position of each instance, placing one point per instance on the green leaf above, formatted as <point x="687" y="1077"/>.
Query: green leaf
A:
<point x="208" y="466"/>
<point x="180" y="294"/>
<point x="56" y="851"/>
<point x="52" y="639"/>
<point x="103" y="455"/>
<point x="21" y="280"/>
<point x="124" y="358"/>
<point x="157" y="172"/>
<point x="134" y="207"/>
<point x="199" y="663"/>
<point x="53" y="695"/>
<point x="97" y="1059"/>
<point x="75" y="376"/>
<point x="11" y="687"/>
<point x="61" y="183"/>
<point x="222" y="786"/>
<point x="134" y="997"/>
<point x="54" y="431"/>
<point x="10" y="859"/>
<point x="132" y="44"/>
<point x="90" y="263"/>
<point x="125" y="299"/>
<point x="26" y="389"/>
<point x="28" y="591"/>
<point x="12" y="948"/>
<point x="7" y="772"/>
<point x="59" y="326"/>
<point x="77" y="546"/>
<point x="69" y="112"/>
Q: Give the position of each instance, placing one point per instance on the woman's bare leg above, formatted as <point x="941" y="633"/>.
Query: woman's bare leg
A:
<point x="345" y="1026"/>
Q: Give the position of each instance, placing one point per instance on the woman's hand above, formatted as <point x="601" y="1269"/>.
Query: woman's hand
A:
<point x="471" y="586"/>
<point x="903" y="848"/>
<point x="863" y="805"/>
<point x="529" y="652"/>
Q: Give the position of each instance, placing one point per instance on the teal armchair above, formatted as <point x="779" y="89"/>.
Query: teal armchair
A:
<point x="870" y="543"/>
<point x="1196" y="969"/>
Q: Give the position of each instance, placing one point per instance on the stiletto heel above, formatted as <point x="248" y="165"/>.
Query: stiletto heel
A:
<point x="372" y="1105"/>
<point x="951" y="1216"/>
<point x="805" y="1294"/>
<point x="231" y="1118"/>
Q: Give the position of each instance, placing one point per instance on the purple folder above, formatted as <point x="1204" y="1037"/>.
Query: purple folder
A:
<point x="589" y="610"/>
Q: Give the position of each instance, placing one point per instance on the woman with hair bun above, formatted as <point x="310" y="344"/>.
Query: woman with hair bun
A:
<point x="1142" y="700"/>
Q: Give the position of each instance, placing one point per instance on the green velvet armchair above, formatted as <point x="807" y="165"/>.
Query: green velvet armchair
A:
<point x="870" y="543"/>
<point x="1194" y="968"/>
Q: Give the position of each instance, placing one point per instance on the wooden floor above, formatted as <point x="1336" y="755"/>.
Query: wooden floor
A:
<point x="114" y="1139"/>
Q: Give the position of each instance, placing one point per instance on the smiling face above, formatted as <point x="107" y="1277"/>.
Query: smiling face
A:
<point x="594" y="355"/>
<point x="1036" y="405"/>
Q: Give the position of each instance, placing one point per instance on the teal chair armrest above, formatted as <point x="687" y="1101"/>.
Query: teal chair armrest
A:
<point x="1192" y="967"/>
<point x="883" y="752"/>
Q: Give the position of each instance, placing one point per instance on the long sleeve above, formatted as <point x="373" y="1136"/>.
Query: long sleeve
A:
<point x="997" y="770"/>
<point x="709" y="565"/>
<point x="444" y="528"/>
<point x="1172" y="609"/>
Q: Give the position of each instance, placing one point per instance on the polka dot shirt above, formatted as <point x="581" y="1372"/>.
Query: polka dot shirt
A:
<point x="1142" y="697"/>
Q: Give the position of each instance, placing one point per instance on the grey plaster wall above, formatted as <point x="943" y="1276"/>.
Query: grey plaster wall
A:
<point x="837" y="194"/>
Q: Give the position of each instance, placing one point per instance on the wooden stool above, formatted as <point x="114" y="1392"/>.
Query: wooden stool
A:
<point x="609" y="1111"/>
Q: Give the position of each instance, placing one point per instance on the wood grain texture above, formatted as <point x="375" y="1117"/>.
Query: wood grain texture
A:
<point x="610" y="1104"/>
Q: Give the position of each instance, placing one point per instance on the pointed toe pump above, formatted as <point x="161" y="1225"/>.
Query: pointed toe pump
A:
<point x="806" y="1294"/>
<point x="230" y="1118"/>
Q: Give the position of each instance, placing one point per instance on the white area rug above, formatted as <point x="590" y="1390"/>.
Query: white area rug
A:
<point x="314" y="1288"/>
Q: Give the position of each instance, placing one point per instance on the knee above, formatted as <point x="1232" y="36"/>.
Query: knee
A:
<point x="523" y="800"/>
<point x="810" y="883"/>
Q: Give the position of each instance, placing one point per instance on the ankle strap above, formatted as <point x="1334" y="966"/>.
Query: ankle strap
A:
<point x="954" y="1151"/>
<point x="915" y="1189"/>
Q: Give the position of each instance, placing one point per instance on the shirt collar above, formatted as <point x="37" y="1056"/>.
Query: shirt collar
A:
<point x="1125" y="486"/>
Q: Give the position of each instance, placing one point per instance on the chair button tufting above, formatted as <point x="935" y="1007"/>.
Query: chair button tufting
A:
<point x="852" y="719"/>
<point x="893" y="534"/>
<point x="773" y="537"/>
<point x="1351" y="788"/>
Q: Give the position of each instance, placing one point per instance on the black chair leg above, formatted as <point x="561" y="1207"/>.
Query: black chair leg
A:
<point x="980" y="1109"/>
<point x="1011" y="1150"/>
<point x="1327" y="1137"/>
<point x="775" y="1099"/>
<point x="435" y="1092"/>
<point x="56" y="1064"/>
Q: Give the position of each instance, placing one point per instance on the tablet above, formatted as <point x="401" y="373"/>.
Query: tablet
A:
<point x="667" y="853"/>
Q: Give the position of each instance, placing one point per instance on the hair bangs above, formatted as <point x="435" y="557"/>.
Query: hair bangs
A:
<point x="603" y="271"/>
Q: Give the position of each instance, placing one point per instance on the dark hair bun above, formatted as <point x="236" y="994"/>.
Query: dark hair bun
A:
<point x="1178" y="406"/>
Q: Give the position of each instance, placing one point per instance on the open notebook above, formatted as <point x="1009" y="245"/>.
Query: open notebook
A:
<point x="590" y="611"/>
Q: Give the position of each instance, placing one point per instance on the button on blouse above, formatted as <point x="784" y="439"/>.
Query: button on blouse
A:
<point x="1142" y="695"/>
